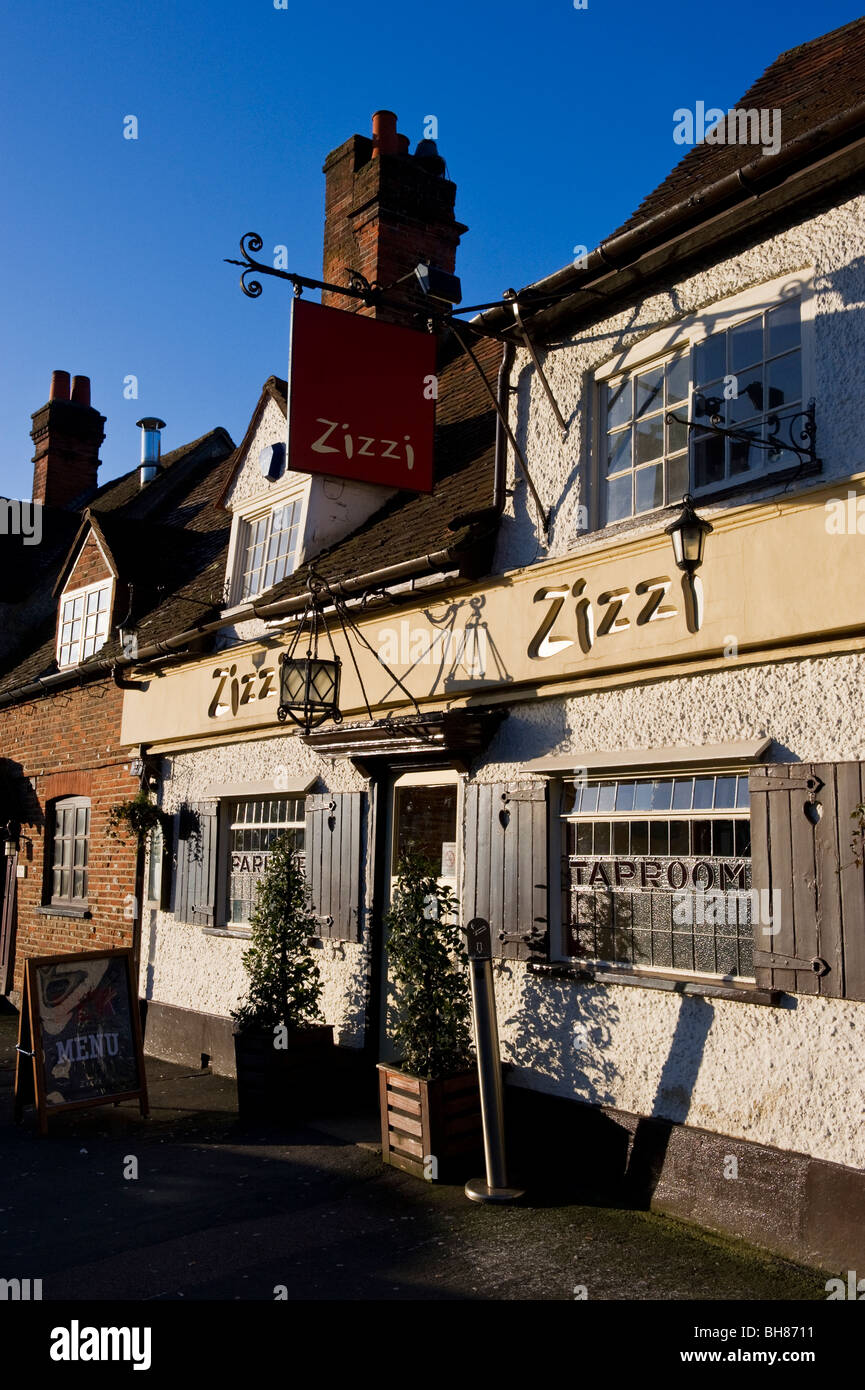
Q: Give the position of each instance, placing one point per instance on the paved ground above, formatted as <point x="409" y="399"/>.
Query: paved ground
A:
<point x="219" y="1212"/>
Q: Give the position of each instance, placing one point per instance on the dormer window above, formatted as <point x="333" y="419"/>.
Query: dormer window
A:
<point x="84" y="619"/>
<point x="266" y="549"/>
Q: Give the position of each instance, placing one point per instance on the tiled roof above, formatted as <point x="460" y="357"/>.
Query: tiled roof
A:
<point x="170" y="539"/>
<point x="161" y="537"/>
<point x="809" y="85"/>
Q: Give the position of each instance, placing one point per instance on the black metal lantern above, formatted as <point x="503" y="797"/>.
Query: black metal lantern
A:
<point x="309" y="685"/>
<point x="688" y="534"/>
<point x="308" y="690"/>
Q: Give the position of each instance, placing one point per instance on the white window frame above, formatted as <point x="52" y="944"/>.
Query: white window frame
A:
<point x="69" y="596"/>
<point x="246" y="516"/>
<point x="229" y="822"/>
<point x="717" y="317"/>
<point x="558" y="860"/>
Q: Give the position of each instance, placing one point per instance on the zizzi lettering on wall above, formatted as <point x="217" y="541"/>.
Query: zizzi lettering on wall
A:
<point x="615" y="613"/>
<point x="234" y="690"/>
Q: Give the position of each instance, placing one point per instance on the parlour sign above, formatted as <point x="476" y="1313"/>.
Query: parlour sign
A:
<point x="361" y="398"/>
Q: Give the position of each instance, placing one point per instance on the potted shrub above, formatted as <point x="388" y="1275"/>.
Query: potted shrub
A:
<point x="280" y="1041"/>
<point x="430" y="1102"/>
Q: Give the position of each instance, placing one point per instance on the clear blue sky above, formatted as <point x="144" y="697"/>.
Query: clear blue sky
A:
<point x="554" y="122"/>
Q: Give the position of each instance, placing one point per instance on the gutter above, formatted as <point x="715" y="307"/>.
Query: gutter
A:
<point x="628" y="248"/>
<point x="436" y="562"/>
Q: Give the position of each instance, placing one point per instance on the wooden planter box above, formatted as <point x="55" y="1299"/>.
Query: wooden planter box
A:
<point x="430" y="1119"/>
<point x="282" y="1084"/>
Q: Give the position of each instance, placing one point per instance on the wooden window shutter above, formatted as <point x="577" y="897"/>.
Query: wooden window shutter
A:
<point x="506" y="873"/>
<point x="801" y="848"/>
<point x="195" y="878"/>
<point x="333" y="862"/>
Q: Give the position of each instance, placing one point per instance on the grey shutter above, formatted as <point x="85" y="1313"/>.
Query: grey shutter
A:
<point x="506" y="874"/>
<point x="801" y="834"/>
<point x="333" y="862"/>
<point x="195" y="879"/>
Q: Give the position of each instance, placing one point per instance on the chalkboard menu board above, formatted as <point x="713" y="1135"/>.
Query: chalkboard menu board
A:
<point x="81" y="1032"/>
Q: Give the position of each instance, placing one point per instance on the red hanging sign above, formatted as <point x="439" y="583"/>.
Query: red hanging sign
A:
<point x="361" y="398"/>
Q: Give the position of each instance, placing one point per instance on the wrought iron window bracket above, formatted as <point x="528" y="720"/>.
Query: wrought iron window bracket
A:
<point x="802" y="438"/>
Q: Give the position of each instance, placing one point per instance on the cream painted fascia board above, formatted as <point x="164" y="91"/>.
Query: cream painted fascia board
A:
<point x="716" y="755"/>
<point x="548" y="690"/>
<point x="725" y="519"/>
<point x="297" y="786"/>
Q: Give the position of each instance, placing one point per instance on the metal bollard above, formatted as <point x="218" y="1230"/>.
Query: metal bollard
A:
<point x="494" y="1188"/>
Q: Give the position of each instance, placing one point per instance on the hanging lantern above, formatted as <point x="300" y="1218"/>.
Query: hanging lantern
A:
<point x="688" y="534"/>
<point x="309" y="685"/>
<point x="308" y="690"/>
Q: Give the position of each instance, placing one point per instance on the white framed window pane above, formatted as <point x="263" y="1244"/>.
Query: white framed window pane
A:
<point x="708" y="459"/>
<point x="783" y="328"/>
<point x="678" y="378"/>
<point x="618" y="403"/>
<point x="619" y="497"/>
<point x="677" y="478"/>
<point x="785" y="381"/>
<point x="619" y="452"/>
<point x="710" y="359"/>
<point x="649" y="487"/>
<point x="648" y="439"/>
<point x="746" y="344"/>
<point x="649" y="391"/>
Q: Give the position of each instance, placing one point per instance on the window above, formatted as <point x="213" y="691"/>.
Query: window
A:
<point x="69" y="844"/>
<point x="658" y="874"/>
<point x="646" y="458"/>
<point x="268" y="549"/>
<point x="744" y="375"/>
<point x="84" y="617"/>
<point x="254" y="826"/>
<point x="738" y="377"/>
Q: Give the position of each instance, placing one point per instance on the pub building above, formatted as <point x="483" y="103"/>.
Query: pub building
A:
<point x="626" y="724"/>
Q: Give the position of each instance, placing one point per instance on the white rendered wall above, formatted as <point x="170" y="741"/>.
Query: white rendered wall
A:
<point x="832" y="243"/>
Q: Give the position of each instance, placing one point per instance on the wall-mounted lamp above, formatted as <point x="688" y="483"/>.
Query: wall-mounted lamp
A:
<point x="688" y="534"/>
<point x="437" y="283"/>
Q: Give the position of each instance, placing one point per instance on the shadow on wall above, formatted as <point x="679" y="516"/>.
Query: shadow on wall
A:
<point x="672" y="1099"/>
<point x="562" y="1033"/>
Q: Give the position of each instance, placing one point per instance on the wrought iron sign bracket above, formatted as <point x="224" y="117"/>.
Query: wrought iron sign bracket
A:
<point x="524" y="334"/>
<point x="802" y="439"/>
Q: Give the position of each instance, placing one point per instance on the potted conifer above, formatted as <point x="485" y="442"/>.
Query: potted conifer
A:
<point x="281" y="1044"/>
<point x="430" y="1102"/>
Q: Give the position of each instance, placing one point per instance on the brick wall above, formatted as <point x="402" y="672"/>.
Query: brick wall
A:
<point x="65" y="744"/>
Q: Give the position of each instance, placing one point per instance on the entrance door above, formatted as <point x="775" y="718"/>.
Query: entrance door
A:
<point x="424" y="813"/>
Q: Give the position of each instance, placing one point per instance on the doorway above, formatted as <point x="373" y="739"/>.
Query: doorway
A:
<point x="424" y="811"/>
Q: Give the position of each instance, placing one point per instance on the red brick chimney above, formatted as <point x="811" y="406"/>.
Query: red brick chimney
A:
<point x="385" y="210"/>
<point x="67" y="433"/>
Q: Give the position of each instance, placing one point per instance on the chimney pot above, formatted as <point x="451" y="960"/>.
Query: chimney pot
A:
<point x="403" y="144"/>
<point x="151" y="448"/>
<point x="384" y="137"/>
<point x="81" y="390"/>
<point x="59" y="386"/>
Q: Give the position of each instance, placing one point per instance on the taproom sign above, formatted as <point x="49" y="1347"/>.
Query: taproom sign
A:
<point x="361" y="398"/>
